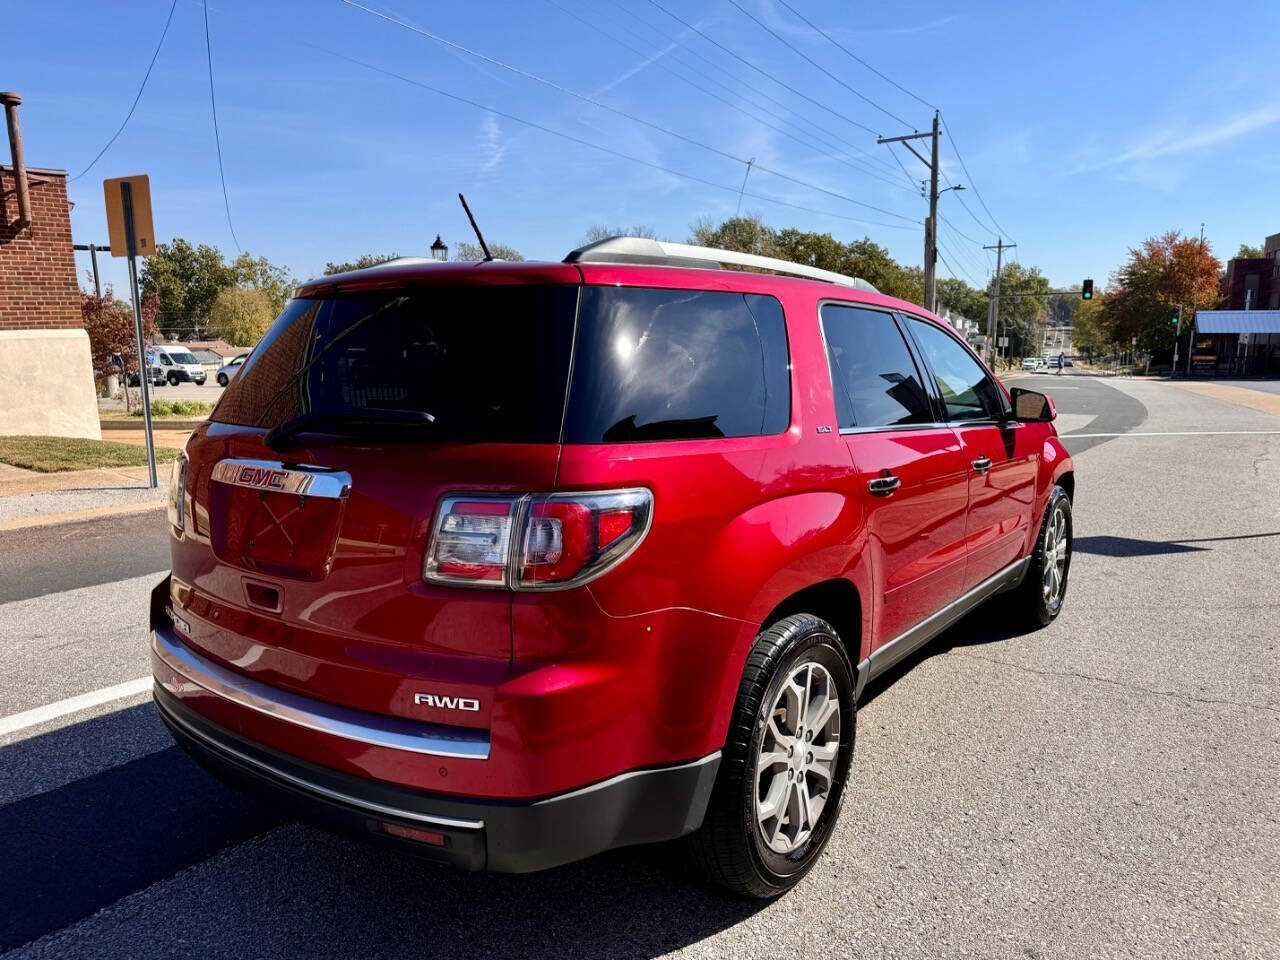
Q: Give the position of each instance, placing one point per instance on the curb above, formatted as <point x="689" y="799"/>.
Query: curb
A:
<point x="94" y="513"/>
<point x="157" y="423"/>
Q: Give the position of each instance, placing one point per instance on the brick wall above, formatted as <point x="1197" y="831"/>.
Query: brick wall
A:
<point x="38" y="289"/>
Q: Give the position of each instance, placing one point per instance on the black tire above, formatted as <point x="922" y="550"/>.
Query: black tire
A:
<point x="1036" y="608"/>
<point x="173" y="379"/>
<point x="222" y="380"/>
<point x="730" y="848"/>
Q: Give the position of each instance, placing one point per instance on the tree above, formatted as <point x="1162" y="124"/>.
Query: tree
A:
<point x="1021" y="313"/>
<point x="1087" y="335"/>
<point x="743" y="234"/>
<point x="599" y="231"/>
<point x="1248" y="252"/>
<point x="261" y="274"/>
<point x="1144" y="294"/>
<point x="464" y="250"/>
<point x="241" y="315"/>
<point x="360" y="263"/>
<point x="185" y="280"/>
<point x="958" y="297"/>
<point x="110" y="325"/>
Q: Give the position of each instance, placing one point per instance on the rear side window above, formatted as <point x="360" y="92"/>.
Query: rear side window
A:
<point x="965" y="388"/>
<point x="677" y="365"/>
<point x="875" y="380"/>
<point x="488" y="363"/>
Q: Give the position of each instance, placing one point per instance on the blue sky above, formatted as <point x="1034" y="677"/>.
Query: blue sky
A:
<point x="1086" y="126"/>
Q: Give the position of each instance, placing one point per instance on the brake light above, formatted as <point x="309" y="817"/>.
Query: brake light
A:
<point x="471" y="541"/>
<point x="535" y="541"/>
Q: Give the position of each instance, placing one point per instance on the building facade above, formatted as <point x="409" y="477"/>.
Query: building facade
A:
<point x="46" y="374"/>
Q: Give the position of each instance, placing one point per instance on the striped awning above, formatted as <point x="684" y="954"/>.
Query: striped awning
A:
<point x="1238" y="321"/>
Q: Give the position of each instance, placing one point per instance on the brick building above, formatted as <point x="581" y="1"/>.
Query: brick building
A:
<point x="46" y="374"/>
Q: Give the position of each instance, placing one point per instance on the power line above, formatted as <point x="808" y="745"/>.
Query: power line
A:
<point x="972" y="184"/>
<point x="762" y="72"/>
<point x="854" y="56"/>
<point x="816" y="147"/>
<point x="622" y="113"/>
<point x="963" y="269"/>
<point x="217" y="139"/>
<point x="145" y="77"/>
<point x="914" y="188"/>
<point x="798" y="52"/>
<point x="822" y="133"/>
<point x="595" y="146"/>
<point x="957" y="230"/>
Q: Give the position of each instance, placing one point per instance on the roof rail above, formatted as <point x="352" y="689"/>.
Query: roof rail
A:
<point x="665" y="254"/>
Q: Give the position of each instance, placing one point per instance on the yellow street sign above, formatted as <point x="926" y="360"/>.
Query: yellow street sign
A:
<point x="138" y="189"/>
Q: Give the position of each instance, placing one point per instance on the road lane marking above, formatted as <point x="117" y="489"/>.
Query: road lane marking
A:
<point x="48" y="519"/>
<point x="52" y="711"/>
<point x="1177" y="433"/>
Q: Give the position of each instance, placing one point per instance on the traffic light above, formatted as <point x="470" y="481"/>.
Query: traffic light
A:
<point x="1174" y="320"/>
<point x="1086" y="292"/>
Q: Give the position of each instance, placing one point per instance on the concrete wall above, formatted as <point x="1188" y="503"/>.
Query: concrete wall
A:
<point x="46" y="384"/>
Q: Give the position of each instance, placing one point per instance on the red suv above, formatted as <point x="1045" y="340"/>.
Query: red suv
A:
<point x="517" y="562"/>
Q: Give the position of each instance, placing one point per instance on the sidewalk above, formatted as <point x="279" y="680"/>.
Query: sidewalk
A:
<point x="29" y="498"/>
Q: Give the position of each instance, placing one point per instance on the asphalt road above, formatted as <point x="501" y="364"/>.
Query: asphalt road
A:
<point x="1104" y="787"/>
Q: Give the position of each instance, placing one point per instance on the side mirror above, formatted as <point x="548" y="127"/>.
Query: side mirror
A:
<point x="1032" y="407"/>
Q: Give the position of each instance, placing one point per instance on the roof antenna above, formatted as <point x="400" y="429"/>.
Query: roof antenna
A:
<point x="479" y="236"/>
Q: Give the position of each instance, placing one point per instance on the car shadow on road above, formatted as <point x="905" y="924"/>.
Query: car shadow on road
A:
<point x="1112" y="546"/>
<point x="84" y="845"/>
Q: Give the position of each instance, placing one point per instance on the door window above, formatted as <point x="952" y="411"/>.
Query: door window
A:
<point x="966" y="390"/>
<point x="875" y="380"/>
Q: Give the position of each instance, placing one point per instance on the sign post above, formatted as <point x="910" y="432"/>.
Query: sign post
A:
<point x="132" y="234"/>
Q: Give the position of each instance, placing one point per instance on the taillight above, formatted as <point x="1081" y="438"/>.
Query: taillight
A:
<point x="178" y="492"/>
<point x="471" y="541"/>
<point x="536" y="541"/>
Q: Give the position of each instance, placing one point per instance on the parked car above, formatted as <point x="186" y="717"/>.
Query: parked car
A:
<point x="513" y="563"/>
<point x="229" y="369"/>
<point x="177" y="364"/>
<point x="1031" y="363"/>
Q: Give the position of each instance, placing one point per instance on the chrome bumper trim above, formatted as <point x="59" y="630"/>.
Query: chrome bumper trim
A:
<point x="315" y="789"/>
<point x="393" y="733"/>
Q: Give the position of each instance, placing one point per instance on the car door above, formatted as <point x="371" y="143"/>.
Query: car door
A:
<point x="1001" y="456"/>
<point x="909" y="468"/>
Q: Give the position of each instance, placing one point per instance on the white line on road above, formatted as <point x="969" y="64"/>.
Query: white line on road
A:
<point x="52" y="711"/>
<point x="1178" y="433"/>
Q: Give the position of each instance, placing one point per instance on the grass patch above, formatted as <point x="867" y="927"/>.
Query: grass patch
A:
<point x="177" y="408"/>
<point x="55" y="454"/>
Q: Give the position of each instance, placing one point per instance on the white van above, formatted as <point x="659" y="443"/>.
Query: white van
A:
<point x="174" y="364"/>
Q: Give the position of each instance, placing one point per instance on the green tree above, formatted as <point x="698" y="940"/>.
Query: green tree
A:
<point x="360" y="263"/>
<point x="1249" y="252"/>
<point x="241" y="315"/>
<point x="1022" y="315"/>
<point x="958" y="297"/>
<point x="465" y="250"/>
<point x="743" y="234"/>
<point x="185" y="280"/>
<point x="1087" y="335"/>
<point x="261" y="274"/>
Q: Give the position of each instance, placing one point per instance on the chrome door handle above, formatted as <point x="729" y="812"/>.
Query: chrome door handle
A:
<point x="982" y="465"/>
<point x="883" y="486"/>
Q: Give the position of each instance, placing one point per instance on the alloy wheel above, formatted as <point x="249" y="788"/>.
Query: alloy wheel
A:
<point x="796" y="764"/>
<point x="1056" y="543"/>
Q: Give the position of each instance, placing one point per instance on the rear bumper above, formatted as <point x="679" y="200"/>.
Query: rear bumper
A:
<point x="643" y="806"/>
<point x="206" y="706"/>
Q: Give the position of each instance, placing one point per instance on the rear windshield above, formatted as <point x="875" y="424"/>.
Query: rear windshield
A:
<point x="493" y="363"/>
<point x="487" y="363"/>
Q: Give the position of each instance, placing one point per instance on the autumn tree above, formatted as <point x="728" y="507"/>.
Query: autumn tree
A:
<point x="112" y="331"/>
<point x="1161" y="274"/>
<point x="241" y="315"/>
<point x="360" y="263"/>
<point x="259" y="273"/>
<point x="600" y="231"/>
<point x="185" y="280"/>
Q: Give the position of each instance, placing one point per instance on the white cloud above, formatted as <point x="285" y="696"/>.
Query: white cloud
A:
<point x="1184" y="139"/>
<point x="491" y="143"/>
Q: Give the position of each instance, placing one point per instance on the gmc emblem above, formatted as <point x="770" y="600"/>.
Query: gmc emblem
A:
<point x="262" y="477"/>
<point x="446" y="703"/>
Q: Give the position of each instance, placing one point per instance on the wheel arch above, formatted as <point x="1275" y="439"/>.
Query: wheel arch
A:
<point x="836" y="601"/>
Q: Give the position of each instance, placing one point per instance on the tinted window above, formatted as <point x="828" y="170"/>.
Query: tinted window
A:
<point x="677" y="364"/>
<point x="874" y="377"/>
<point x="488" y="363"/>
<point x="965" y="388"/>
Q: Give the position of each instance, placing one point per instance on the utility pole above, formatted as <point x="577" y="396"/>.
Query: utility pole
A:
<point x="993" y="303"/>
<point x="931" y="224"/>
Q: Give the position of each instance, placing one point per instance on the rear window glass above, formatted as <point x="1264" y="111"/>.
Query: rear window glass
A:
<point x="490" y="364"/>
<point x="676" y="365"/>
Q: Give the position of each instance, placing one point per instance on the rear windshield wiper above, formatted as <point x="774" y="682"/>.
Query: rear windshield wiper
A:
<point x="371" y="421"/>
